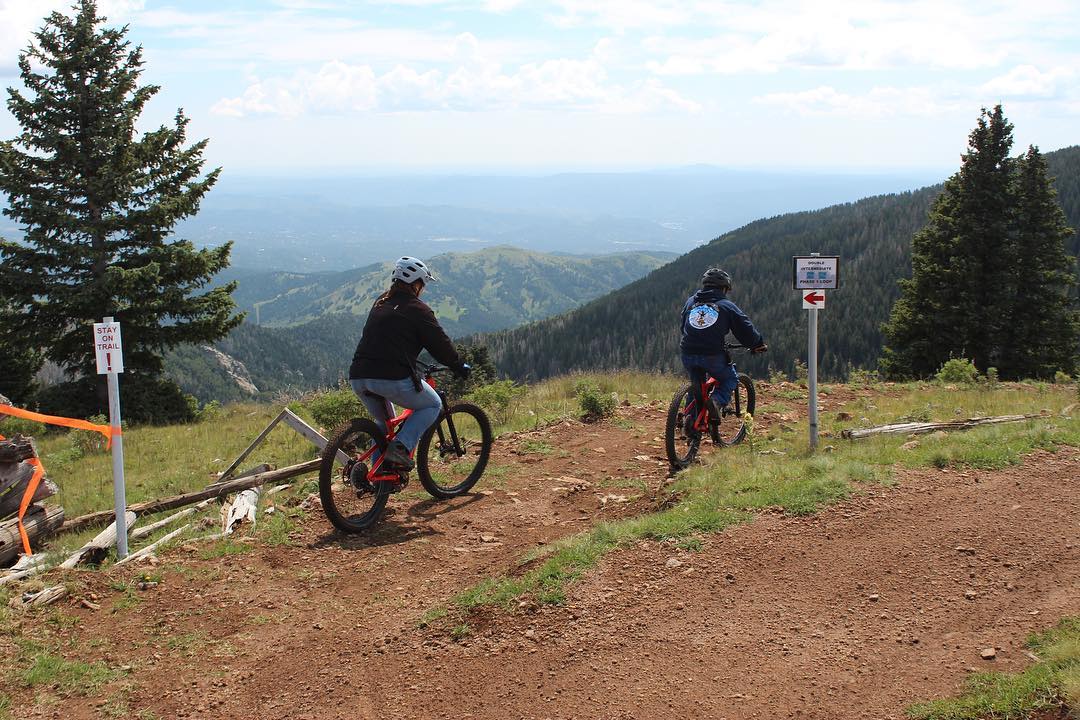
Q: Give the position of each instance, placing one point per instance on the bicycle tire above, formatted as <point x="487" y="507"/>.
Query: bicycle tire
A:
<point x="678" y="456"/>
<point x="743" y="400"/>
<point x="338" y="494"/>
<point x="439" y="465"/>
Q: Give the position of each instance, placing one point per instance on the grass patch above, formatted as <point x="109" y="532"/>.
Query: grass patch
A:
<point x="1052" y="683"/>
<point x="276" y="529"/>
<point x="68" y="677"/>
<point x="536" y="447"/>
<point x="5" y="706"/>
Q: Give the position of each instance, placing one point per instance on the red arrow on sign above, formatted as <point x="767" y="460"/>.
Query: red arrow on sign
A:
<point x="813" y="298"/>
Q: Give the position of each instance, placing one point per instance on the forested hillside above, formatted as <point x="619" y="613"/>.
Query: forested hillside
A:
<point x="325" y="313"/>
<point x="637" y="325"/>
<point x="490" y="289"/>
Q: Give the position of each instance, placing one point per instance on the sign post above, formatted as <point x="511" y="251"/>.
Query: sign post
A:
<point x="811" y="276"/>
<point x="110" y="362"/>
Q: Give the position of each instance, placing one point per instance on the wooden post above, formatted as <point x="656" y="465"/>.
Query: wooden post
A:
<point x="39" y="522"/>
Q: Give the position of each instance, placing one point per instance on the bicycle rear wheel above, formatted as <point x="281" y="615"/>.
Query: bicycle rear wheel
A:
<point x="681" y="446"/>
<point x="453" y="453"/>
<point x="350" y="501"/>
<point x="732" y="427"/>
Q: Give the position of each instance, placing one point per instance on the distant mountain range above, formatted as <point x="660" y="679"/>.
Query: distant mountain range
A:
<point x="637" y="325"/>
<point x="331" y="224"/>
<point x="302" y="328"/>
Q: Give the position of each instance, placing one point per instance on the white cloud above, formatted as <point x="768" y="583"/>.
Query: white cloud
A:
<point x="1027" y="81"/>
<point x="877" y="103"/>
<point x="473" y="84"/>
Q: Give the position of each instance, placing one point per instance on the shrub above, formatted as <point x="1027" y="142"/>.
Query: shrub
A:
<point x="88" y="442"/>
<point x="859" y="376"/>
<point x="331" y="408"/>
<point x="210" y="411"/>
<point x="497" y="398"/>
<point x="11" y="426"/>
<point x="594" y="402"/>
<point x="958" y="370"/>
<point x="1062" y="378"/>
<point x="801" y="372"/>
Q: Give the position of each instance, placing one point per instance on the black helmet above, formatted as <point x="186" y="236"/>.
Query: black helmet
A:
<point x="716" y="278"/>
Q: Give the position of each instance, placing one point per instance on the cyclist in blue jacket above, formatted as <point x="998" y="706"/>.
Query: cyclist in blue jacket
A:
<point x="707" y="318"/>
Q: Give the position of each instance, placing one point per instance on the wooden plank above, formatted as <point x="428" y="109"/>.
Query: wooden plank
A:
<point x="152" y="546"/>
<point x="145" y="530"/>
<point x="151" y="507"/>
<point x="297" y="424"/>
<point x="96" y="549"/>
<point x="254" y="444"/>
<point x="40" y="522"/>
<point x="914" y="428"/>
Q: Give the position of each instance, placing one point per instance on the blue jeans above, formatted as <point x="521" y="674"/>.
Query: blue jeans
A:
<point x="718" y="367"/>
<point x="425" y="405"/>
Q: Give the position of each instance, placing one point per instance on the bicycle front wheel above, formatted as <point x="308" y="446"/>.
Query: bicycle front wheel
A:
<point x="732" y="429"/>
<point x="453" y="453"/>
<point x="681" y="445"/>
<point x="350" y="501"/>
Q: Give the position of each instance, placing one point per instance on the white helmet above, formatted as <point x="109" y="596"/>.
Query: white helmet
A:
<point x="410" y="269"/>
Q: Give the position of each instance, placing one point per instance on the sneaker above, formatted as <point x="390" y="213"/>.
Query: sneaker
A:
<point x="397" y="455"/>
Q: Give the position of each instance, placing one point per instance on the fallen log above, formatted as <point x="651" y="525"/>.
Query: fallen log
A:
<point x="152" y="546"/>
<point x="45" y="597"/>
<point x="151" y="507"/>
<point x="96" y="549"/>
<point x="39" y="523"/>
<point x="917" y="428"/>
<point x="147" y="529"/>
<point x="28" y="565"/>
<point x="264" y="467"/>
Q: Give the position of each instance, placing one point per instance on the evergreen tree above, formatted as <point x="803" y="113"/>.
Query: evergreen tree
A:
<point x="1044" y="325"/>
<point x="958" y="300"/>
<point x="97" y="201"/>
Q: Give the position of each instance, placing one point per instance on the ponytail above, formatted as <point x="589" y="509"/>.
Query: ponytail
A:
<point x="395" y="286"/>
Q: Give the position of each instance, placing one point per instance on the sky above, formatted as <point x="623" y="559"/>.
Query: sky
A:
<point x="326" y="86"/>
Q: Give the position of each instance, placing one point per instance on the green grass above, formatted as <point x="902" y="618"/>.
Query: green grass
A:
<point x="45" y="668"/>
<point x="5" y="706"/>
<point x="1049" y="684"/>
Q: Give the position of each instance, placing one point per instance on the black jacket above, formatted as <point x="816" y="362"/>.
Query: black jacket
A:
<point x="394" y="334"/>
<point x="707" y="317"/>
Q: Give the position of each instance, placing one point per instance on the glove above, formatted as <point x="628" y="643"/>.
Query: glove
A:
<point x="464" y="371"/>
<point x="759" y="349"/>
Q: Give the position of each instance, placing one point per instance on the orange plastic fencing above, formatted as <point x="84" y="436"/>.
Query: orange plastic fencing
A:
<point x="39" y="470"/>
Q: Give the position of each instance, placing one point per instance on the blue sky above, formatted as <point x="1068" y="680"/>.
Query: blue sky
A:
<point x="417" y="85"/>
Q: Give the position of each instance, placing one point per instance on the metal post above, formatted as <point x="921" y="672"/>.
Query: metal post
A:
<point x="811" y="366"/>
<point x="119" y="491"/>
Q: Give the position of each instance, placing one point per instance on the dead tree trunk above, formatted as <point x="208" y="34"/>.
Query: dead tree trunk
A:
<point x="39" y="523"/>
<point x="914" y="428"/>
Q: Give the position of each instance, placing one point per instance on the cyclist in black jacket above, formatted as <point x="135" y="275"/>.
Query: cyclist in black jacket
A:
<point x="383" y="369"/>
<point x="707" y="317"/>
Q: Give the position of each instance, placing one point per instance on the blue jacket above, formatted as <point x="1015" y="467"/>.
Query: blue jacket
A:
<point x="708" y="317"/>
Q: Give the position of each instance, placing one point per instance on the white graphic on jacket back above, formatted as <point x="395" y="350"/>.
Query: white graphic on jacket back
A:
<point x="703" y="316"/>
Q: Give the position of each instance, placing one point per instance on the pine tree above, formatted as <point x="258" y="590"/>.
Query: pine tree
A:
<point x="1044" y="325"/>
<point x="97" y="201"/>
<point x="957" y="302"/>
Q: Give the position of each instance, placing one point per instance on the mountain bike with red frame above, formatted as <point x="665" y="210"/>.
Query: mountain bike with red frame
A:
<point x="690" y="420"/>
<point x="450" y="457"/>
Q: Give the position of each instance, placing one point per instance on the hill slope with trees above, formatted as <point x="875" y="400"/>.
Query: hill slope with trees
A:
<point x="637" y="325"/>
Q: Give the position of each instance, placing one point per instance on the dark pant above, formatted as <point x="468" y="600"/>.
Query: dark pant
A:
<point x="718" y="367"/>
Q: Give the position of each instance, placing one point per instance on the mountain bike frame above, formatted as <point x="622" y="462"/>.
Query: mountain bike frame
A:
<point x="393" y="424"/>
<point x="700" y="408"/>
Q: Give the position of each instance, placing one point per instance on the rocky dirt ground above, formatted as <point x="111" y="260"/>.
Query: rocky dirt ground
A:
<point x="854" y="612"/>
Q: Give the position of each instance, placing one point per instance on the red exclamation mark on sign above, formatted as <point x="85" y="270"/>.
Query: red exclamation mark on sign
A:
<point x="108" y="362"/>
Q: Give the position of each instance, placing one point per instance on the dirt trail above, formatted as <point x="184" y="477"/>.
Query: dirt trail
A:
<point x="851" y="613"/>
